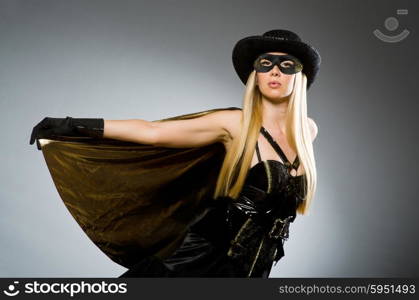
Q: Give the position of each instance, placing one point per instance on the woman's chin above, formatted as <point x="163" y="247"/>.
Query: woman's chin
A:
<point x="274" y="96"/>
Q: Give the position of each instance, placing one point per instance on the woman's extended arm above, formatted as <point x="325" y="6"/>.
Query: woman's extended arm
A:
<point x="195" y="132"/>
<point x="133" y="130"/>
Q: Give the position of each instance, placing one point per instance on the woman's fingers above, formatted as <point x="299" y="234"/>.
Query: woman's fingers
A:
<point x="33" y="135"/>
<point x="40" y="130"/>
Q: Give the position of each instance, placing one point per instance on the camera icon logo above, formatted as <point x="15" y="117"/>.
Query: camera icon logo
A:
<point x="391" y="24"/>
<point x="12" y="291"/>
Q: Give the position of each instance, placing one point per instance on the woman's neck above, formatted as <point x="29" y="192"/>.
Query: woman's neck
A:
<point x="274" y="115"/>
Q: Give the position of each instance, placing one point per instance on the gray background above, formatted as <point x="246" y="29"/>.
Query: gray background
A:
<point x="156" y="59"/>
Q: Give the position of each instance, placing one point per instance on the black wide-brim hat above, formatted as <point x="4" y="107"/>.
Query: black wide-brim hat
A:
<point x="249" y="48"/>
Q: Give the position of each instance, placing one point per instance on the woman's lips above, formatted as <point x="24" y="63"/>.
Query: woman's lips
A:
<point x="274" y="84"/>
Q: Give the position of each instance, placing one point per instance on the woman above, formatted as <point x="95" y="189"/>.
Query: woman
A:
<point x="267" y="174"/>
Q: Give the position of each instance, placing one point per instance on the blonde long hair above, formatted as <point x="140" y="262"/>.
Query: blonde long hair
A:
<point x="238" y="158"/>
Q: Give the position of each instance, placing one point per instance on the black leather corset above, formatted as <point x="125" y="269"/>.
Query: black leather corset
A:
<point x="259" y="218"/>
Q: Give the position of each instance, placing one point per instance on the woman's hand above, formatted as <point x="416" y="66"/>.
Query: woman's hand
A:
<point x="52" y="127"/>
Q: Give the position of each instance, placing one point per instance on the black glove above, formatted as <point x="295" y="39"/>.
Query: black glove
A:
<point x="52" y="127"/>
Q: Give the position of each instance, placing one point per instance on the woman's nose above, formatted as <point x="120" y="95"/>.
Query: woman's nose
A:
<point x="275" y="70"/>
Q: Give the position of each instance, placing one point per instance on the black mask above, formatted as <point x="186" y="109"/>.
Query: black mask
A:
<point x="288" y="64"/>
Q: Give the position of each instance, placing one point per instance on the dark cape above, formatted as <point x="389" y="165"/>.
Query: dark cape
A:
<point x="134" y="200"/>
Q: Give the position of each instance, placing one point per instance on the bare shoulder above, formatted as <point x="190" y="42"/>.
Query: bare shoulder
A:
<point x="232" y="119"/>
<point x="313" y="128"/>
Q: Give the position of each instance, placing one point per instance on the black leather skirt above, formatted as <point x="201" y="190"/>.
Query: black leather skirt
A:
<point x="196" y="257"/>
